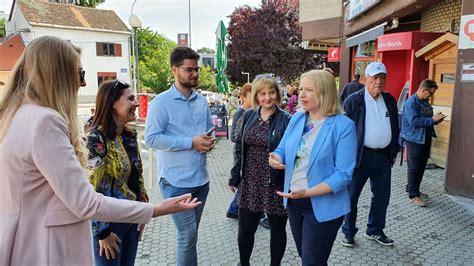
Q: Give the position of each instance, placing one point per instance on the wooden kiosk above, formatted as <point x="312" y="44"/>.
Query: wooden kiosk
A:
<point x="442" y="56"/>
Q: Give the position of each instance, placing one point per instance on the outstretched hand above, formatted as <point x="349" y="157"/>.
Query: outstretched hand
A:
<point x="176" y="204"/>
<point x="276" y="162"/>
<point x="293" y="194"/>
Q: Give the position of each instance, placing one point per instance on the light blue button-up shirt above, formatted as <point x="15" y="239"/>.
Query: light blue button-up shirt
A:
<point x="173" y="120"/>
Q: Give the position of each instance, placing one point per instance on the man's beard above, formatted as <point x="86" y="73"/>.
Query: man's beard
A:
<point x="188" y="83"/>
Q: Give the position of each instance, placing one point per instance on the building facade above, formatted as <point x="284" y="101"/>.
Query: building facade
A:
<point x="100" y="34"/>
<point x="393" y="32"/>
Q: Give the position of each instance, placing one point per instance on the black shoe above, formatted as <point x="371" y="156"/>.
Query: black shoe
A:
<point x="347" y="241"/>
<point x="264" y="222"/>
<point x="381" y="239"/>
<point x="232" y="215"/>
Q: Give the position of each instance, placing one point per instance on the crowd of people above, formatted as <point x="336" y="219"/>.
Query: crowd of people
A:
<point x="306" y="163"/>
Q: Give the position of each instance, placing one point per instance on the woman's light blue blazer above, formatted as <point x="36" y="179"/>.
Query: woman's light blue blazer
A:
<point x="332" y="160"/>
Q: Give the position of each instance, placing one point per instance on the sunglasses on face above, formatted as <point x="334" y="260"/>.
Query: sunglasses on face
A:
<point x="190" y="70"/>
<point x="82" y="75"/>
<point x="430" y="92"/>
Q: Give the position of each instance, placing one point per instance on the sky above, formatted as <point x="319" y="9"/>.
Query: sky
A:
<point x="170" y="17"/>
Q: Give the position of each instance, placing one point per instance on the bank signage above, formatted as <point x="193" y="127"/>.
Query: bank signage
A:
<point x="357" y="7"/>
<point x="466" y="32"/>
<point x="334" y="54"/>
<point x="405" y="41"/>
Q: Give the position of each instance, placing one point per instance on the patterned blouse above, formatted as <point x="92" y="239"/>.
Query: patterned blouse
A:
<point x="255" y="192"/>
<point x="115" y="170"/>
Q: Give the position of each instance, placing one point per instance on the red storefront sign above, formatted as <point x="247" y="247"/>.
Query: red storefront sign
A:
<point x="405" y="41"/>
<point x="182" y="39"/>
<point x="334" y="54"/>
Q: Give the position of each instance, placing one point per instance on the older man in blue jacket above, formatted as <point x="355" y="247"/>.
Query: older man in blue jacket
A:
<point x="375" y="115"/>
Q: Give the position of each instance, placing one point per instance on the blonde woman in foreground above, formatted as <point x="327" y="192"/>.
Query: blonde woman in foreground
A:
<point x="46" y="200"/>
<point x="318" y="154"/>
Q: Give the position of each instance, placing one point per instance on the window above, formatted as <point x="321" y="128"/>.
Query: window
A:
<point x="103" y="76"/>
<point x="108" y="49"/>
<point x="208" y="61"/>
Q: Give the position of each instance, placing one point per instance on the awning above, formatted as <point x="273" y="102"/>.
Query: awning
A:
<point x="368" y="35"/>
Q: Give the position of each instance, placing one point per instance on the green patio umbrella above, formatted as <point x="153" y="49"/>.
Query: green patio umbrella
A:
<point x="221" y="59"/>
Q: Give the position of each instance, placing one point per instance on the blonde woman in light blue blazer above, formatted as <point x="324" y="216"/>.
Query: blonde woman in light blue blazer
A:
<point x="318" y="152"/>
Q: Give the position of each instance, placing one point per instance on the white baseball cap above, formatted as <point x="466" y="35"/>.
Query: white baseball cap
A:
<point x="375" y="68"/>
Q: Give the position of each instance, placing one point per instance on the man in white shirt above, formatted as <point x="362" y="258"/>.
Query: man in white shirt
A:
<point x="375" y="115"/>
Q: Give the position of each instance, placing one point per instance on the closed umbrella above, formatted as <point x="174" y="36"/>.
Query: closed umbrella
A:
<point x="221" y="59"/>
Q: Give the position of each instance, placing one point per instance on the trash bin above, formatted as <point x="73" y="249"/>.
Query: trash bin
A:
<point x="143" y="102"/>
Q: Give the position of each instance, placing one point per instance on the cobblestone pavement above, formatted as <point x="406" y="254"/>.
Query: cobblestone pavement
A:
<point x="441" y="234"/>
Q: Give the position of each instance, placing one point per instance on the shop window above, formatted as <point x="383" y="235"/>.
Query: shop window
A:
<point x="366" y="49"/>
<point x="103" y="76"/>
<point x="362" y="55"/>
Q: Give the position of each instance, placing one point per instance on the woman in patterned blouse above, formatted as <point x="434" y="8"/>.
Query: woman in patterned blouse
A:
<point x="116" y="170"/>
<point x="259" y="132"/>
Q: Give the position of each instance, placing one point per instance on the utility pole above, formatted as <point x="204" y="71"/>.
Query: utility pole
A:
<point x="189" y="10"/>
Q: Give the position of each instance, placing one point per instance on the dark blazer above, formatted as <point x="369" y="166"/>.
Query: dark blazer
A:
<point x="354" y="106"/>
<point x="278" y="123"/>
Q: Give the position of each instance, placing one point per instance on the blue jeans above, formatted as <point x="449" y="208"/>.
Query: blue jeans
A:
<point x="418" y="155"/>
<point x="233" y="204"/>
<point x="378" y="167"/>
<point x="128" y="234"/>
<point x="313" y="239"/>
<point x="187" y="222"/>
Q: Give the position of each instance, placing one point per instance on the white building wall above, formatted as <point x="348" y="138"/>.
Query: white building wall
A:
<point x="311" y="10"/>
<point x="17" y="23"/>
<point x="86" y="40"/>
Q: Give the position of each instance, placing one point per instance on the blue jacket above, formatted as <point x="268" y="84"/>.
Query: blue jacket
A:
<point x="415" y="120"/>
<point x="354" y="106"/>
<point x="332" y="161"/>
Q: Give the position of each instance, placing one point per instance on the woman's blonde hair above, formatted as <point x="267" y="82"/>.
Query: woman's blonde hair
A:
<point x="325" y="91"/>
<point x="258" y="85"/>
<point x="46" y="74"/>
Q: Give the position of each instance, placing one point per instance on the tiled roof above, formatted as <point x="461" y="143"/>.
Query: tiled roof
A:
<point x="70" y="16"/>
<point x="11" y="49"/>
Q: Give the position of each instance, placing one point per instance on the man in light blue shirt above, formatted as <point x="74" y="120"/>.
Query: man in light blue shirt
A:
<point x="176" y="127"/>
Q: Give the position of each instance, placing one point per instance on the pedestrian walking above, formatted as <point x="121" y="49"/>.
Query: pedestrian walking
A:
<point x="45" y="199"/>
<point x="351" y="87"/>
<point x="375" y="115"/>
<point x="233" y="211"/>
<point x="115" y="170"/>
<point x="417" y="131"/>
<point x="318" y="154"/>
<point x="259" y="133"/>
<point x="176" y="127"/>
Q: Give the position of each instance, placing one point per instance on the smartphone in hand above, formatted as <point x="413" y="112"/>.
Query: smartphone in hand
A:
<point x="212" y="129"/>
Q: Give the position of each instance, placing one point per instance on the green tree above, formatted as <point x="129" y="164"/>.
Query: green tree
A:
<point x="153" y="60"/>
<point x="207" y="80"/>
<point x="87" y="3"/>
<point x="2" y="27"/>
<point x="206" y="50"/>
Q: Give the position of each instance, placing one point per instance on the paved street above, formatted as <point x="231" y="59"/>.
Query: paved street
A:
<point x="441" y="234"/>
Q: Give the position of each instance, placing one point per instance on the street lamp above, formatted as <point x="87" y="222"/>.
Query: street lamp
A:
<point x="136" y="23"/>
<point x="248" y="76"/>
